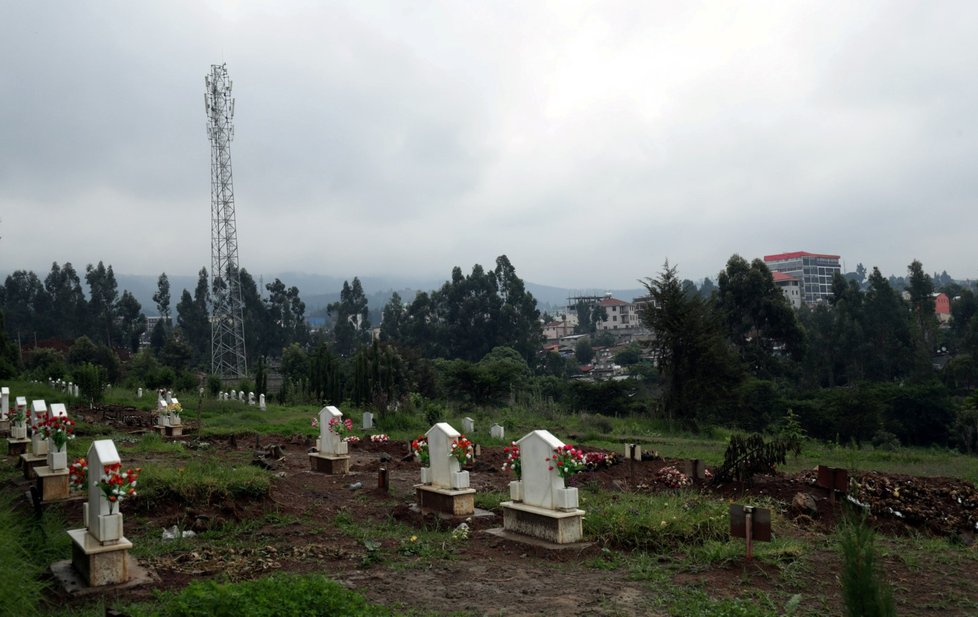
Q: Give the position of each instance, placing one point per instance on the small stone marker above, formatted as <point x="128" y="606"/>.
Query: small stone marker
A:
<point x="633" y="452"/>
<point x="331" y="456"/>
<point x="496" y="431"/>
<point x="468" y="426"/>
<point x="694" y="468"/>
<point x="251" y="398"/>
<point x="546" y="509"/>
<point x="261" y="402"/>
<point x="100" y="552"/>
<point x="139" y="393"/>
<point x="448" y="491"/>
<point x="752" y="524"/>
<point x="4" y="402"/>
<point x="368" y="420"/>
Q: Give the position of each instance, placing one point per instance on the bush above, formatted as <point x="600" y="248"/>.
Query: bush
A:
<point x="864" y="591"/>
<point x="213" y="385"/>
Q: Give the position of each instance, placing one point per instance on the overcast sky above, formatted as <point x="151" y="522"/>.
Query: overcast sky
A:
<point x="587" y="141"/>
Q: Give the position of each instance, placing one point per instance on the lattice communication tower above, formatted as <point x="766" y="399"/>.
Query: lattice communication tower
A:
<point x="227" y="320"/>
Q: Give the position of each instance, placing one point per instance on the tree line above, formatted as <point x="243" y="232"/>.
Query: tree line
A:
<point x="858" y="367"/>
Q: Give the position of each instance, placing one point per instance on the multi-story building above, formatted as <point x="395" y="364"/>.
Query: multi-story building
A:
<point x="814" y="272"/>
<point x="790" y="286"/>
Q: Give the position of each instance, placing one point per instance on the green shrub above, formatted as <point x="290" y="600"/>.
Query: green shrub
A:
<point x="864" y="591"/>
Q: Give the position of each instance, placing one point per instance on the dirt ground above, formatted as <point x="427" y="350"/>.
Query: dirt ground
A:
<point x="492" y="576"/>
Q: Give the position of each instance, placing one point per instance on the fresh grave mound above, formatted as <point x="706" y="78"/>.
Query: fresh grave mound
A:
<point x="943" y="506"/>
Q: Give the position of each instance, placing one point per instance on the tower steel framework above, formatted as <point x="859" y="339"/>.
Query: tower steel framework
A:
<point x="227" y="320"/>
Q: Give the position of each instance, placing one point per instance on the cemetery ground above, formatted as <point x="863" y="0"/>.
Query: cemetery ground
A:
<point x="266" y="534"/>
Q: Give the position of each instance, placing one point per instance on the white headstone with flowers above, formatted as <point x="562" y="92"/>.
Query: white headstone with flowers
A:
<point x="163" y="412"/>
<point x="174" y="409"/>
<point x="39" y="413"/>
<point x="59" y="430"/>
<point x="108" y="486"/>
<point x="331" y="447"/>
<point x="100" y="552"/>
<point x="542" y="506"/>
<point x="444" y="486"/>
<point x="330" y="432"/>
<point x="445" y="446"/>
<point x="19" y="419"/>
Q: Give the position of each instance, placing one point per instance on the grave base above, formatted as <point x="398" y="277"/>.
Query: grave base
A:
<point x="99" y="565"/>
<point x="29" y="462"/>
<point x="51" y="485"/>
<point x="512" y="536"/>
<point x="72" y="584"/>
<point x="333" y="465"/>
<point x="16" y="447"/>
<point x="550" y="525"/>
<point x="457" y="502"/>
<point x="171" y="431"/>
<point x="4" y="427"/>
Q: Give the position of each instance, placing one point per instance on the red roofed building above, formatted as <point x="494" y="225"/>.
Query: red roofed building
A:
<point x="814" y="272"/>
<point x="942" y="307"/>
<point x="790" y="286"/>
<point x="619" y="315"/>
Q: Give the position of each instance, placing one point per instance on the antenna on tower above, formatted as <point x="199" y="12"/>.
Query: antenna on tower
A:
<point x="227" y="321"/>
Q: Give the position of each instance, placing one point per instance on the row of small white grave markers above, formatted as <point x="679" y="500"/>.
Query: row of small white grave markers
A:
<point x="65" y="386"/>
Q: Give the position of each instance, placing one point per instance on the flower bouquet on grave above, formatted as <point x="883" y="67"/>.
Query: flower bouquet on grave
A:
<point x="78" y="475"/>
<point x="341" y="428"/>
<point x="419" y="447"/>
<point x="174" y="410"/>
<point x="117" y="485"/>
<point x="514" y="464"/>
<point x="379" y="438"/>
<point x="461" y="450"/>
<point x="59" y="429"/>
<point x="18" y="417"/>
<point x="513" y="460"/>
<point x="567" y="460"/>
<point x="351" y="439"/>
<point x="673" y="478"/>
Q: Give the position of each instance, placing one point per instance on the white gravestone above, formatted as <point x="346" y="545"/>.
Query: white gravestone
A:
<point x="139" y="393"/>
<point x="261" y="402"/>
<point x="496" y="431"/>
<point x="4" y="402"/>
<point x="445" y="469"/>
<point x="103" y="520"/>
<point x="57" y="459"/>
<point x="251" y="398"/>
<point x="75" y="391"/>
<point x="468" y="426"/>
<point x="541" y="484"/>
<point x="162" y="411"/>
<point x="39" y="413"/>
<point x="368" y="420"/>
<point x="174" y="418"/>
<point x="329" y="443"/>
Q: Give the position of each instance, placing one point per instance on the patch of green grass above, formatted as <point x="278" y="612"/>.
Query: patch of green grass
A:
<point x="691" y="602"/>
<point x="153" y="443"/>
<point x="659" y="523"/>
<point x="203" y="482"/>
<point x="490" y="500"/>
<point x="279" y="594"/>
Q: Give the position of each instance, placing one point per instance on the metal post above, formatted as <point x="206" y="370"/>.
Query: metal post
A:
<point x="382" y="479"/>
<point x="749" y="524"/>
